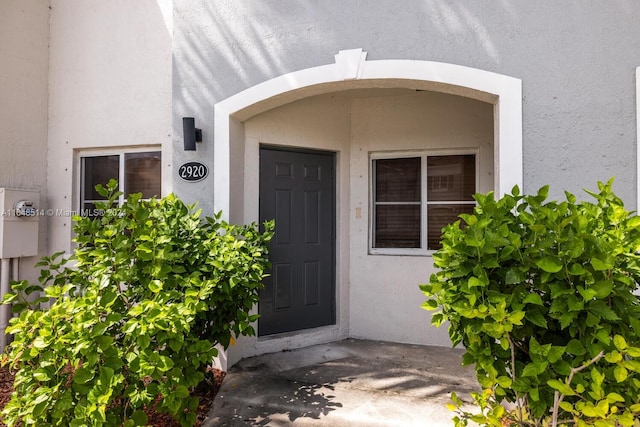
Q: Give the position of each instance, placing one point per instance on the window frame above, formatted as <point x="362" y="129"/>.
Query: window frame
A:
<point x="110" y="151"/>
<point x="424" y="155"/>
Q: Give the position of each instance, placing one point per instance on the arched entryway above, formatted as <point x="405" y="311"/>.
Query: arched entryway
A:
<point x="258" y="116"/>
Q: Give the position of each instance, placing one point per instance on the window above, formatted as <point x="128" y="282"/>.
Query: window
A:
<point x="416" y="194"/>
<point x="136" y="172"/>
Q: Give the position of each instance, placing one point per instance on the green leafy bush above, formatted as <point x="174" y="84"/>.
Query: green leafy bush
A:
<point x="541" y="295"/>
<point x="136" y="313"/>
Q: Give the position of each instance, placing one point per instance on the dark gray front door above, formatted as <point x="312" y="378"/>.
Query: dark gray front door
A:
<point x="297" y="189"/>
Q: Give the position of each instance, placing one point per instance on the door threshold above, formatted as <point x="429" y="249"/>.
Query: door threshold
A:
<point x="298" y="333"/>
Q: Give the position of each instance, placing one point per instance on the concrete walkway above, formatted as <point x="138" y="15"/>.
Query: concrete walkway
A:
<point x="345" y="383"/>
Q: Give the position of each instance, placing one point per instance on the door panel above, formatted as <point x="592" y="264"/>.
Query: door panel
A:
<point x="297" y="189"/>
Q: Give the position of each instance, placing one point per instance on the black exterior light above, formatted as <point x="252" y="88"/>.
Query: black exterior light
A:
<point x="191" y="133"/>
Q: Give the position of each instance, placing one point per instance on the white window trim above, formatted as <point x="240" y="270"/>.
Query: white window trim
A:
<point x="424" y="154"/>
<point x="111" y="151"/>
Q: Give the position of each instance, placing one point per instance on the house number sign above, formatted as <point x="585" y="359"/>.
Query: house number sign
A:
<point x="193" y="171"/>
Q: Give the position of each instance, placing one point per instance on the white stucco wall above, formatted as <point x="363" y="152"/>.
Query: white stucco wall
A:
<point x="91" y="74"/>
<point x="385" y="298"/>
<point x="578" y="118"/>
<point x="110" y="86"/>
<point x="577" y="69"/>
<point x="124" y="73"/>
<point x="24" y="53"/>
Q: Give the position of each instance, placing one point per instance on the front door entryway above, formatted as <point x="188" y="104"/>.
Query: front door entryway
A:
<point x="297" y="189"/>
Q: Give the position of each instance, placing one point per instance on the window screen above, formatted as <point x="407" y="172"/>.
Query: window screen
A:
<point x="397" y="203"/>
<point x="451" y="182"/>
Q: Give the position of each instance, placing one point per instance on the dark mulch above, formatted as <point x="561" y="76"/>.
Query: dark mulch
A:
<point x="206" y="391"/>
<point x="6" y="385"/>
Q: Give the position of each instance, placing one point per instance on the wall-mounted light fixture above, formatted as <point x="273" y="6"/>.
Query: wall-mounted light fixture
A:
<point x="191" y="133"/>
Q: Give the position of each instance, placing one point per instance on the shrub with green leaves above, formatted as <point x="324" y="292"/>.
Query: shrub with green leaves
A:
<point x="135" y="314"/>
<point x="541" y="295"/>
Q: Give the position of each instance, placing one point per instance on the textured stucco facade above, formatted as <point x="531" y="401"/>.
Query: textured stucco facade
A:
<point x="109" y="86"/>
<point x="578" y="113"/>
<point x="123" y="74"/>
<point x="24" y="38"/>
<point x="576" y="60"/>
